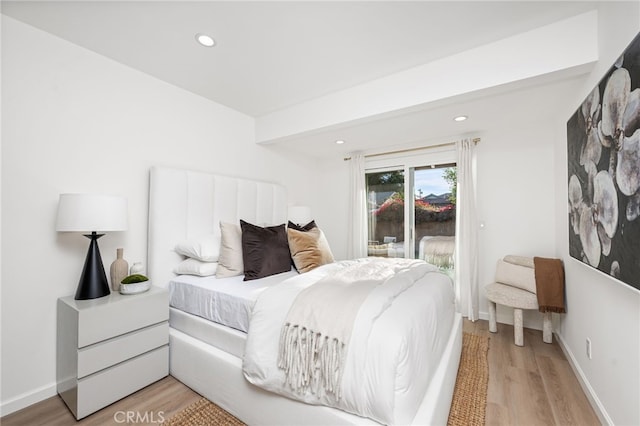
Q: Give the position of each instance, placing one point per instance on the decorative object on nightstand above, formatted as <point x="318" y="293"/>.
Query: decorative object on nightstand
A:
<point x="119" y="269"/>
<point x="136" y="268"/>
<point x="92" y="213"/>
<point x="134" y="284"/>
<point x="110" y="347"/>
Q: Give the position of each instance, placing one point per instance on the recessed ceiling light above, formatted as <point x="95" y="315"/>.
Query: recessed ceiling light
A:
<point x="339" y="142"/>
<point x="205" y="40"/>
<point x="460" y="118"/>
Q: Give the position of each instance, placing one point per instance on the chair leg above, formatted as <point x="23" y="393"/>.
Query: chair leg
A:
<point x="517" y="327"/>
<point x="493" y="327"/>
<point x="547" y="331"/>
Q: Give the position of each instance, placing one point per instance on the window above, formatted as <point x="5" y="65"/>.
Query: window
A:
<point x="422" y="225"/>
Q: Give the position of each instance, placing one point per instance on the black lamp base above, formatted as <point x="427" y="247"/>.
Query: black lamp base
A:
<point x="93" y="281"/>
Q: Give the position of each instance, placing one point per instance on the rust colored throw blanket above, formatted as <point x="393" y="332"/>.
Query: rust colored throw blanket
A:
<point x="549" y="284"/>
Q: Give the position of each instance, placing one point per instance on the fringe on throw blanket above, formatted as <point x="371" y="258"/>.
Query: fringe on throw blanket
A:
<point x="316" y="334"/>
<point x="310" y="360"/>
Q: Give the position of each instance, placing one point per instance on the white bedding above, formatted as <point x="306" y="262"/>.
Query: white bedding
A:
<point x="389" y="363"/>
<point x="227" y="301"/>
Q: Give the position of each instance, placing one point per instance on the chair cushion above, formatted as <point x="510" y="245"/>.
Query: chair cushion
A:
<point x="511" y="296"/>
<point x="519" y="260"/>
<point x="516" y="275"/>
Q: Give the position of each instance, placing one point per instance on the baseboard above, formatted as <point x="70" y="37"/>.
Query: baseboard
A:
<point x="26" y="399"/>
<point x="597" y="406"/>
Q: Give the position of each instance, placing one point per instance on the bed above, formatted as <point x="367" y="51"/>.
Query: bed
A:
<point x="208" y="356"/>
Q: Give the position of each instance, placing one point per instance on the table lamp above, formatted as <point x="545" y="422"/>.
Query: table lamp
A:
<point x="92" y="213"/>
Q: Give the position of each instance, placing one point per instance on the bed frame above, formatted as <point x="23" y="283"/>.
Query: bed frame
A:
<point x="186" y="204"/>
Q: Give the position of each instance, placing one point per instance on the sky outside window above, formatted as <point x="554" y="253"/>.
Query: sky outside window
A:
<point x="430" y="181"/>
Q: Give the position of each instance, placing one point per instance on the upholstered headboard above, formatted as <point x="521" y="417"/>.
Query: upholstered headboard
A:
<point x="186" y="205"/>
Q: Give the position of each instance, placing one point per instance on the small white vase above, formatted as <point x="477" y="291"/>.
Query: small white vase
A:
<point x="136" y="268"/>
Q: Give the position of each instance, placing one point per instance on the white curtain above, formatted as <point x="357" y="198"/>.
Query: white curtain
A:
<point x="357" y="241"/>
<point x="466" y="252"/>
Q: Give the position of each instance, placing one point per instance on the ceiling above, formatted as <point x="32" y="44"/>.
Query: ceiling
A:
<point x="272" y="55"/>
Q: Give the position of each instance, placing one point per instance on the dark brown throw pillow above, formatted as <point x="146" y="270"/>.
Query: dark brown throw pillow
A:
<point x="265" y="251"/>
<point x="308" y="227"/>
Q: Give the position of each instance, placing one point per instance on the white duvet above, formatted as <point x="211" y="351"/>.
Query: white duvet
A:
<point x="390" y="359"/>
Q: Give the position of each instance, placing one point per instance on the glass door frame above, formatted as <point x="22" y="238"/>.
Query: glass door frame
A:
<point x="408" y="162"/>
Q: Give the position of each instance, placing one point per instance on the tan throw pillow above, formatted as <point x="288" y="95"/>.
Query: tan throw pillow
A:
<point x="230" y="261"/>
<point x="309" y="249"/>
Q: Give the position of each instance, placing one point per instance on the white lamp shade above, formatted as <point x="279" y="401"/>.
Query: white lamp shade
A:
<point x="300" y="215"/>
<point x="91" y="212"/>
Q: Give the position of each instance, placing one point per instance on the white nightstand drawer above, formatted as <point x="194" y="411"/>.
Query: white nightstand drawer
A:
<point x="110" y="352"/>
<point x="107" y="386"/>
<point x="107" y="317"/>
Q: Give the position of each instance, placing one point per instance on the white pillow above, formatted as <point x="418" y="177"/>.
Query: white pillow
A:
<point x="230" y="261"/>
<point x="205" y="249"/>
<point x="196" y="267"/>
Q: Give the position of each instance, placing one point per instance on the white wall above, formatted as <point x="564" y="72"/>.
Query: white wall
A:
<point x="331" y="205"/>
<point x="74" y="121"/>
<point x="515" y="201"/>
<point x="600" y="307"/>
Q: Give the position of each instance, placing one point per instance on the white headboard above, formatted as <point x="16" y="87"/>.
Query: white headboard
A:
<point x="186" y="204"/>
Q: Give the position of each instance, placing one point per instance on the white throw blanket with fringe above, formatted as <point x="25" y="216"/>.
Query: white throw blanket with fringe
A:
<point x="397" y="336"/>
<point x="316" y="334"/>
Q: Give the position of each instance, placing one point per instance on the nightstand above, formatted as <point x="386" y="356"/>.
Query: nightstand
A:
<point x="110" y="347"/>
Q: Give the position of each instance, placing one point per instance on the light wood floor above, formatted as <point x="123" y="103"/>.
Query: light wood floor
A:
<point x="533" y="384"/>
<point x="530" y="385"/>
<point x="151" y="405"/>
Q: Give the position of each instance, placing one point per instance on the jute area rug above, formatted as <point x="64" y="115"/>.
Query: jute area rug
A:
<point x="467" y="408"/>
<point x="469" y="403"/>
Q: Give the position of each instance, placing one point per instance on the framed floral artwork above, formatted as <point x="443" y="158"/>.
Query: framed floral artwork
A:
<point x="603" y="142"/>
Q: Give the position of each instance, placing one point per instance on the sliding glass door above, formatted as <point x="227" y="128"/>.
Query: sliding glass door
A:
<point x="420" y="225"/>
